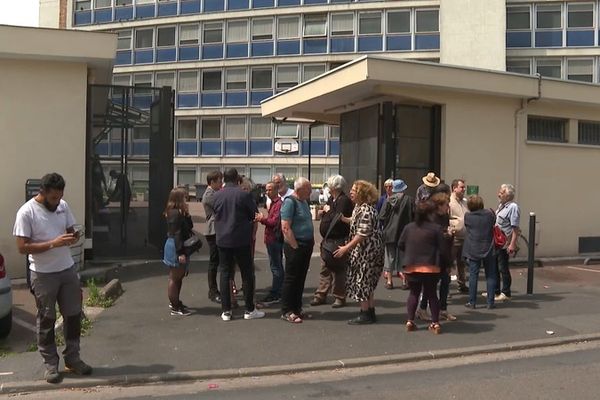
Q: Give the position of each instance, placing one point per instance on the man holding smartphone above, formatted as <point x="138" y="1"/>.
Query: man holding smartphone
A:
<point x="44" y="231"/>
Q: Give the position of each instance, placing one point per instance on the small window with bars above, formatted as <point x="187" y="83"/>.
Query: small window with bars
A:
<point x="543" y="129"/>
<point x="589" y="133"/>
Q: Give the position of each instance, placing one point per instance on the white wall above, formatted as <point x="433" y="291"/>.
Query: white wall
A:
<point x="43" y="125"/>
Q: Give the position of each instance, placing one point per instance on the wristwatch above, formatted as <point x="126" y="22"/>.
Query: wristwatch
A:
<point x="51" y="246"/>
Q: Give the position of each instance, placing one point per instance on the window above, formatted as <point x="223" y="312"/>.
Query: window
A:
<point x="398" y="21"/>
<point x="188" y="34"/>
<point x="235" y="79"/>
<point x="142" y="84"/>
<point x="144" y="38"/>
<point x="211" y="129"/>
<point x="334" y="132"/>
<point x="315" y="25"/>
<point x="165" y="79"/>
<point x="288" y="27"/>
<point x="237" y="31"/>
<point x="211" y="80"/>
<point x="122" y="80"/>
<point x="317" y="132"/>
<point x="188" y="81"/>
<point x="235" y="128"/>
<point x="317" y="174"/>
<point x="141" y="133"/>
<point x="123" y="2"/>
<point x="546" y="129"/>
<point x="312" y="71"/>
<point x="260" y="128"/>
<point x="260" y="175"/>
<point x="428" y="21"/>
<point x="518" y="66"/>
<point x="580" y="15"/>
<point x="550" y="67"/>
<point x="166" y="36"/>
<point x="82" y="5"/>
<point x="287" y="76"/>
<point x="124" y="40"/>
<point x="369" y="23"/>
<point x="580" y="70"/>
<point x="342" y="24"/>
<point x="262" y="29"/>
<point x="186" y="177"/>
<point x="518" y="18"/>
<point x="291" y="173"/>
<point x="186" y="129"/>
<point x="286" y="131"/>
<point x="102" y="3"/>
<point x="589" y="133"/>
<point x="262" y="78"/>
<point x="213" y="32"/>
<point x="549" y="16"/>
<point x="143" y="1"/>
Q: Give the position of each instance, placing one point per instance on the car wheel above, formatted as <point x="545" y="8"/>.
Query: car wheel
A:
<point x="5" y="325"/>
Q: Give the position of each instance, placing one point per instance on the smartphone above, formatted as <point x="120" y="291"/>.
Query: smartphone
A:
<point x="77" y="234"/>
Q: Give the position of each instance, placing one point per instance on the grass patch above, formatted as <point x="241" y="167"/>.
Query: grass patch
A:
<point x="4" y="351"/>
<point x="32" y="347"/>
<point x="95" y="298"/>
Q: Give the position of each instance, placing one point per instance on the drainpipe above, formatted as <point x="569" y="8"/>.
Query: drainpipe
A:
<point x="521" y="110"/>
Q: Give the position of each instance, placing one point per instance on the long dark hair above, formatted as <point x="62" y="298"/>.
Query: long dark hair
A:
<point x="177" y="201"/>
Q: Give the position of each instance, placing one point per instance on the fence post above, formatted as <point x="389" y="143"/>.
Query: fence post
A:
<point x="531" y="253"/>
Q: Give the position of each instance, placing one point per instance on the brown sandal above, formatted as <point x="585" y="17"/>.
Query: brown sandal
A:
<point x="435" y="328"/>
<point x="291" y="318"/>
<point x="389" y="285"/>
<point x="410" y="326"/>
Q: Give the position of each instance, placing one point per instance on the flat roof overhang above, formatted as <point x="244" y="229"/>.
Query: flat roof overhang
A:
<point x="373" y="79"/>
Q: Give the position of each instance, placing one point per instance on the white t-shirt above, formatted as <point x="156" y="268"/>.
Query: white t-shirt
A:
<point x="35" y="222"/>
<point x="285" y="196"/>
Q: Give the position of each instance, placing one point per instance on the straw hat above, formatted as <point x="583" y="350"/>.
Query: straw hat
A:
<point x="431" y="180"/>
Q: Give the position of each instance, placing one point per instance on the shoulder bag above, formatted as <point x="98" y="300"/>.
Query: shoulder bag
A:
<point x="329" y="246"/>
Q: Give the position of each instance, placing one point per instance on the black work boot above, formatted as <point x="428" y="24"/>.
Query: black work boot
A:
<point x="364" y="318"/>
<point x="372" y="314"/>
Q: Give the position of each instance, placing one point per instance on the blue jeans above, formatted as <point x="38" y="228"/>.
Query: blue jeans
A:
<point x="489" y="266"/>
<point x="504" y="273"/>
<point x="275" y="251"/>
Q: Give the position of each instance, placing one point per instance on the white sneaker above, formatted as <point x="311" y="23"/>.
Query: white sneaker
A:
<point x="255" y="314"/>
<point x="501" y="297"/>
<point x="484" y="294"/>
<point x="226" y="316"/>
<point x="423" y="315"/>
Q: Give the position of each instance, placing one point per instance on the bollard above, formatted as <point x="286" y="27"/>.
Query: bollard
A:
<point x="531" y="252"/>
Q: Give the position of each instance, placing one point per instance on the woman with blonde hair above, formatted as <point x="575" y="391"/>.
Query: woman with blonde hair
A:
<point x="179" y="228"/>
<point x="366" y="251"/>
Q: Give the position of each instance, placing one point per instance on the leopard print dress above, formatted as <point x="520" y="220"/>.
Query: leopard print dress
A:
<point x="366" y="259"/>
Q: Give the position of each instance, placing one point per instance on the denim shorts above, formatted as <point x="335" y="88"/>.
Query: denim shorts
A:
<point x="170" y="257"/>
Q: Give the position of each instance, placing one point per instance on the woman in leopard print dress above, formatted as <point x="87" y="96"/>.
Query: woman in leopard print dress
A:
<point x="366" y="251"/>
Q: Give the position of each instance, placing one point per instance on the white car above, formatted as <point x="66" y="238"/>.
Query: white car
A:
<point x="5" y="301"/>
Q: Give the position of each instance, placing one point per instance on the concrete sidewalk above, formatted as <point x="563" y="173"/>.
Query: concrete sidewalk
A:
<point x="138" y="340"/>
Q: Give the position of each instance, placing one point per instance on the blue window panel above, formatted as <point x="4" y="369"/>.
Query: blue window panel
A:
<point x="83" y="17"/>
<point x="187" y="100"/>
<point x="317" y="148"/>
<point x="308" y="2"/>
<point x="143" y="56"/>
<point x="145" y="11"/>
<point x="257" y="96"/>
<point x="286" y="47"/>
<point x="261" y="147"/>
<point x="189" y="53"/>
<point x="187" y="148"/>
<point x="170" y="8"/>
<point x="211" y="148"/>
<point x="315" y="46"/>
<point x="237" y="50"/>
<point x="103" y="16"/>
<point x="189" y="7"/>
<point x="142" y="101"/>
<point x="238" y="4"/>
<point x="140" y="148"/>
<point x="518" y="39"/>
<point x="399" y="42"/>
<point x="261" y="49"/>
<point x="284" y="3"/>
<point x="101" y="149"/>
<point x="548" y="39"/>
<point x="427" y="42"/>
<point x="123" y="13"/>
<point x="370" y="43"/>
<point x="580" y="38"/>
<point x="340" y="1"/>
<point x="263" y="3"/>
<point x="212" y="51"/>
<point x="123" y="57"/>
<point x="165" y="55"/>
<point x="214" y="5"/>
<point x="235" y="147"/>
<point x="341" y="45"/>
<point x="334" y="147"/>
<point x="236" y="99"/>
<point x="115" y="149"/>
<point x="211" y="99"/>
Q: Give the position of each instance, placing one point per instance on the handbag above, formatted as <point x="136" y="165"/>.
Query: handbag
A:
<point x="193" y="243"/>
<point x="499" y="237"/>
<point x="329" y="246"/>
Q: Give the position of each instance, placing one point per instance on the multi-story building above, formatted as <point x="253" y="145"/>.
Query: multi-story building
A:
<point x="223" y="57"/>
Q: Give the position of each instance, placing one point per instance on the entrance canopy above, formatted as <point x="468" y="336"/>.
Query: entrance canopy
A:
<point x="374" y="79"/>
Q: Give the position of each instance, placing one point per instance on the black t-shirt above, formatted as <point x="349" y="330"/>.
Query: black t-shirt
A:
<point x="342" y="204"/>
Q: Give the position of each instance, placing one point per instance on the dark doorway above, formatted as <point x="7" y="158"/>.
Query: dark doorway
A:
<point x="130" y="169"/>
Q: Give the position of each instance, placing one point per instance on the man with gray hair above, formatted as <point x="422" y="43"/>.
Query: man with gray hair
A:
<point x="282" y="188"/>
<point x="507" y="218"/>
<point x="298" y="235"/>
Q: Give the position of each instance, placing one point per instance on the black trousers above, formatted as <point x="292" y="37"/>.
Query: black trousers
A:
<point x="213" y="265"/>
<point x="228" y="256"/>
<point x="297" y="262"/>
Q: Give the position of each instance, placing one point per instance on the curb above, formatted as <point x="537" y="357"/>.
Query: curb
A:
<point x="138" y="379"/>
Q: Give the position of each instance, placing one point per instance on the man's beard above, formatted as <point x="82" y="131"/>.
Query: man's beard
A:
<point x="49" y="206"/>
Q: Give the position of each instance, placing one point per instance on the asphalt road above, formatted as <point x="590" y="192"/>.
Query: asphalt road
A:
<point x="564" y="372"/>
